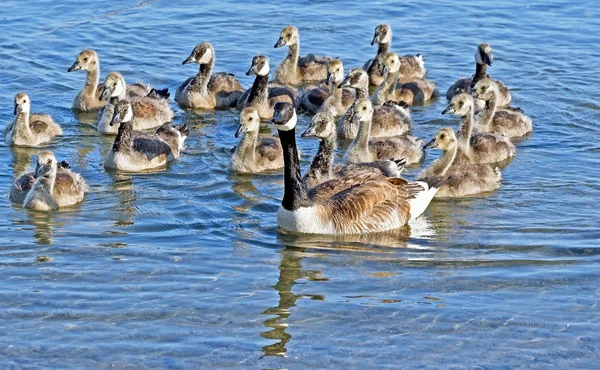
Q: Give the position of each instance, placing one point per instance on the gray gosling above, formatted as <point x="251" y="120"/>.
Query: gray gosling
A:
<point x="333" y="98"/>
<point x="29" y="129"/>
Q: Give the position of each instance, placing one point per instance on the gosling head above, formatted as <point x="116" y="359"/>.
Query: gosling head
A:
<point x="444" y="139"/>
<point x="122" y="113"/>
<point x="86" y="60"/>
<point x="46" y="164"/>
<point x="287" y="37"/>
<point x="483" y="55"/>
<point x="461" y="105"/>
<point x="383" y="34"/>
<point x="284" y="116"/>
<point x="335" y="72"/>
<point x="485" y="89"/>
<point x="321" y="126"/>
<point x="363" y="110"/>
<point x="249" y="121"/>
<point x="202" y="54"/>
<point x="22" y="103"/>
<point x="357" y="78"/>
<point x="114" y="85"/>
<point x="391" y="64"/>
<point x="260" y="66"/>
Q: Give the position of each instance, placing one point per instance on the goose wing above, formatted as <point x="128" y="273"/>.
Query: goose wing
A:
<point x="151" y="147"/>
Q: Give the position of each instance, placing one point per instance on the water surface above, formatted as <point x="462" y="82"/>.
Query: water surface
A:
<point x="186" y="268"/>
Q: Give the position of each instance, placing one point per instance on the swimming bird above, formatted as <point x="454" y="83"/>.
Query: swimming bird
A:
<point x="137" y="151"/>
<point x="206" y="90"/>
<point x="462" y="179"/>
<point x="321" y="169"/>
<point x="378" y="205"/>
<point x="478" y="147"/>
<point x="29" y="129"/>
<point x="51" y="188"/>
<point x="332" y="98"/>
<point x="511" y="122"/>
<point x="390" y="119"/>
<point x="148" y="111"/>
<point x="418" y="91"/>
<point x="69" y="187"/>
<point x="483" y="59"/>
<point x="88" y="99"/>
<point x="295" y="70"/>
<point x="252" y="155"/>
<point x="262" y="95"/>
<point x="364" y="149"/>
<point x="412" y="66"/>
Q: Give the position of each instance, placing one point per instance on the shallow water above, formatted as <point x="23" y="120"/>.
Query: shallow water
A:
<point x="186" y="268"/>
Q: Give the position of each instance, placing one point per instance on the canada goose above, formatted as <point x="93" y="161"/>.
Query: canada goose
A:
<point x="333" y="98"/>
<point x="373" y="206"/>
<point x="137" y="151"/>
<point x="295" y="70"/>
<point x="69" y="187"/>
<point x="262" y="95"/>
<point x="510" y="122"/>
<point x="478" y="147"/>
<point x="415" y="92"/>
<point x="483" y="59"/>
<point x="412" y="66"/>
<point x="148" y="111"/>
<point x="462" y="179"/>
<point x="391" y="119"/>
<point x="364" y="150"/>
<point x="51" y="187"/>
<point x="206" y="90"/>
<point x="29" y="129"/>
<point x="252" y="155"/>
<point x="88" y="99"/>
<point x="321" y="169"/>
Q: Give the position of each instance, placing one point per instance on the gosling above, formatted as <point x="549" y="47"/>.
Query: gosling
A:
<point x="30" y="129"/>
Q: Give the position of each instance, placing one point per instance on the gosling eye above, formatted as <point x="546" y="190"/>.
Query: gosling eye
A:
<point x="442" y="136"/>
<point x="364" y="108"/>
<point x="85" y="59"/>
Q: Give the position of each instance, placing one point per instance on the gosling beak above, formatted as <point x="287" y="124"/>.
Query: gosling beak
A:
<point x="189" y="59"/>
<point x="329" y="78"/>
<point x="430" y="144"/>
<point x="487" y="59"/>
<point x="449" y="109"/>
<point x="474" y="94"/>
<point x="41" y="170"/>
<point x="106" y="92"/>
<point x="385" y="69"/>
<point x="279" y="43"/>
<point x="252" y="71"/>
<point x="310" y="131"/>
<point x="116" y="118"/>
<point x="374" y="39"/>
<point x="240" y="130"/>
<point x="18" y="109"/>
<point x="75" y="67"/>
<point x="345" y="82"/>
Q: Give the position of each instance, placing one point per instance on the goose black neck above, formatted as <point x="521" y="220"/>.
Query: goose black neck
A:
<point x="124" y="137"/>
<point x="383" y="49"/>
<point x="259" y="88"/>
<point x="480" y="74"/>
<point x="295" y="193"/>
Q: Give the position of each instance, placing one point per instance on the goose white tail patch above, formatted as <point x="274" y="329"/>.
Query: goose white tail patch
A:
<point x="419" y="204"/>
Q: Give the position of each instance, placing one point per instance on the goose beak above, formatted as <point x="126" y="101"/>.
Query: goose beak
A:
<point x="75" y="67"/>
<point x="449" y="109"/>
<point x="252" y="71"/>
<point x="431" y="144"/>
<point x="374" y="39"/>
<point x="116" y="118"/>
<point x="310" y="131"/>
<point x="240" y="130"/>
<point x="189" y="59"/>
<point x="106" y="92"/>
<point x="487" y="59"/>
<point x="41" y="170"/>
<point x="279" y="43"/>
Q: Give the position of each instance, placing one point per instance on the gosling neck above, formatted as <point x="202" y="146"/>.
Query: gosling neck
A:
<point x="486" y="117"/>
<point x="465" y="132"/>
<point x="203" y="75"/>
<point x="361" y="142"/>
<point x="22" y="124"/>
<point x="294" y="55"/>
<point x="480" y="74"/>
<point x="295" y="193"/>
<point x="92" y="80"/>
<point x="386" y="89"/>
<point x="447" y="159"/>
<point x="382" y="51"/>
<point x="246" y="147"/>
<point x="362" y="92"/>
<point x="260" y="90"/>
<point x="321" y="167"/>
<point x="124" y="139"/>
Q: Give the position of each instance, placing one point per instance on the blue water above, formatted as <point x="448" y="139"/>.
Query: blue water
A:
<point x="186" y="268"/>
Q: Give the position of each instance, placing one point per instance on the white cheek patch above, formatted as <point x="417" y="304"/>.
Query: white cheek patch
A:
<point x="478" y="57"/>
<point x="387" y="38"/>
<point x="128" y="116"/>
<point x="207" y="57"/>
<point x="119" y="89"/>
<point x="290" y="125"/>
<point x="264" y="70"/>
